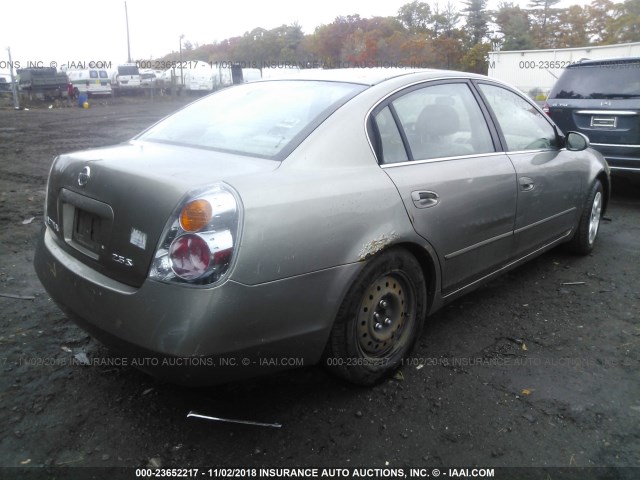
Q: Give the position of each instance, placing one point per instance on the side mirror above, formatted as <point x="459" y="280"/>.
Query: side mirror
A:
<point x="576" y="142"/>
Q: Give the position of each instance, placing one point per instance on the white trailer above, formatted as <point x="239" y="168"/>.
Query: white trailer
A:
<point x="234" y="74"/>
<point x="280" y="71"/>
<point x="193" y="76"/>
<point x="251" y="74"/>
<point x="535" y="71"/>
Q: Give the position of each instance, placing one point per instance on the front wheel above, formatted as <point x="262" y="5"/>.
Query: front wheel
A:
<point x="589" y="224"/>
<point x="379" y="320"/>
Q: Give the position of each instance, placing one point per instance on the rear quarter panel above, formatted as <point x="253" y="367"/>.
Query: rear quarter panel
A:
<point x="328" y="204"/>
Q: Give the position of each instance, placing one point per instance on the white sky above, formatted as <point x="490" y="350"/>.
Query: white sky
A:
<point x="88" y="30"/>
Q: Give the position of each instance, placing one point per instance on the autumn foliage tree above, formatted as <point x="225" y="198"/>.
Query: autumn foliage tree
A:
<point x="429" y="34"/>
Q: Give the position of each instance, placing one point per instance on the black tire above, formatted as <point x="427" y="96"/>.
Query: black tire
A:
<point x="379" y="320"/>
<point x="585" y="236"/>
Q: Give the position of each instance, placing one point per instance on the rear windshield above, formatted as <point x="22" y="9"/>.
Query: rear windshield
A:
<point x="617" y="80"/>
<point x="264" y="119"/>
<point x="128" y="70"/>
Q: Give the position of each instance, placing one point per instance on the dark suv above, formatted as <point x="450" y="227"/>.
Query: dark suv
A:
<point x="601" y="98"/>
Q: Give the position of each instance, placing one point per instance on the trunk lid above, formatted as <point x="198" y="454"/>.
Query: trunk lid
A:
<point x="109" y="206"/>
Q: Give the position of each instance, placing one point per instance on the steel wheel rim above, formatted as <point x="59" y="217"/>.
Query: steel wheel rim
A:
<point x="594" y="220"/>
<point x="386" y="315"/>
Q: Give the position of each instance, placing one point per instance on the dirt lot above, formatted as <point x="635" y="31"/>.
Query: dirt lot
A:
<point x="527" y="371"/>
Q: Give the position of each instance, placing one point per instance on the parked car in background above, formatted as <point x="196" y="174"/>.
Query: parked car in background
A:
<point x="5" y="83"/>
<point x="315" y="218"/>
<point x="601" y="98"/>
<point x="148" y="77"/>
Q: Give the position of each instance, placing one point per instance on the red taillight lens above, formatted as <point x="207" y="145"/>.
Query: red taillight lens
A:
<point x="223" y="257"/>
<point x="189" y="256"/>
<point x="546" y="109"/>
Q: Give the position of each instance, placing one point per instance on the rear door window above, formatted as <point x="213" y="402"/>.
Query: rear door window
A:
<point x="436" y="121"/>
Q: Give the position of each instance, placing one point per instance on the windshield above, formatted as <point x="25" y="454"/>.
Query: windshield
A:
<point x="264" y="119"/>
<point x="617" y="80"/>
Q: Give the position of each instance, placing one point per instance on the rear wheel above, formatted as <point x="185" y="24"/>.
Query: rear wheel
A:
<point x="379" y="320"/>
<point x="589" y="224"/>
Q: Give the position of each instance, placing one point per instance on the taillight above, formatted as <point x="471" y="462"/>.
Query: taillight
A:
<point x="546" y="109"/>
<point x="199" y="243"/>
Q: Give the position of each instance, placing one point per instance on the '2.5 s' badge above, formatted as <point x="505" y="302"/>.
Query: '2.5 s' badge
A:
<point x="127" y="262"/>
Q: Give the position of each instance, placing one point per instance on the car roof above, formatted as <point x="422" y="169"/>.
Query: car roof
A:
<point x="373" y="75"/>
<point x="603" y="61"/>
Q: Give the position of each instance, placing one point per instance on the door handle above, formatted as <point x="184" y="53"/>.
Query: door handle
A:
<point x="526" y="184"/>
<point x="424" y="198"/>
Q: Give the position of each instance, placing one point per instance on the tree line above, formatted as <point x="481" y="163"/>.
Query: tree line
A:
<point x="433" y="35"/>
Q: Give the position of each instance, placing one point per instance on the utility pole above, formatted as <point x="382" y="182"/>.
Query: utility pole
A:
<point x="14" y="86"/>
<point x="126" y="16"/>
<point x="181" y="75"/>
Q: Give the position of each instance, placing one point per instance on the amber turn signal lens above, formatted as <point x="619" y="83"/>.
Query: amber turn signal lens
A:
<point x="195" y="215"/>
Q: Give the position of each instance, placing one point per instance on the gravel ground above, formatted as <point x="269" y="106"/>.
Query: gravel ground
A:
<point x="527" y="371"/>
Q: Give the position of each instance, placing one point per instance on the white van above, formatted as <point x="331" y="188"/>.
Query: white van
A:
<point x="91" y="81"/>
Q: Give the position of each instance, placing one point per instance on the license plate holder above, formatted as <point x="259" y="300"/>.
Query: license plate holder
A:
<point x="600" y="121"/>
<point x="87" y="230"/>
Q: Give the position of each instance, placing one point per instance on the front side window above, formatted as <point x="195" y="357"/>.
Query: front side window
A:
<point x="264" y="119"/>
<point x="523" y="126"/>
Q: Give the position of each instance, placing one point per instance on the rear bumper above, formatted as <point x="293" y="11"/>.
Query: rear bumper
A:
<point x="199" y="336"/>
<point x="621" y="158"/>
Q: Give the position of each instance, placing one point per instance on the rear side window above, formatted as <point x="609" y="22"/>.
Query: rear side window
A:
<point x="391" y="147"/>
<point x="523" y="126"/>
<point x="93" y="74"/>
<point x="615" y="80"/>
